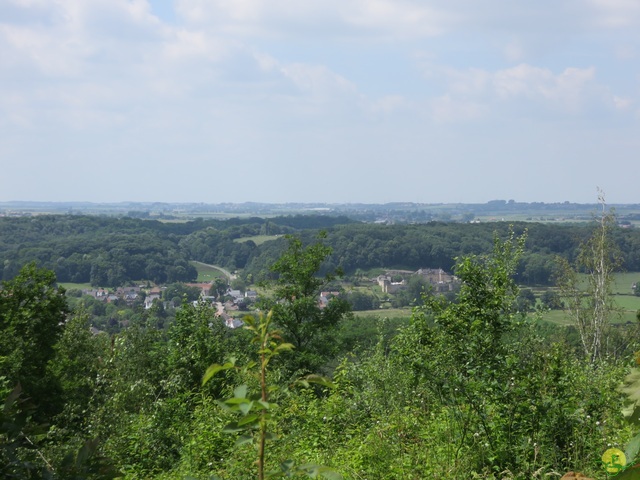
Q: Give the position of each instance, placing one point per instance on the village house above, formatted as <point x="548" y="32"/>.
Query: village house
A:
<point x="251" y="295"/>
<point x="100" y="293"/>
<point x="148" y="301"/>
<point x="440" y="280"/>
<point x="325" y="297"/>
<point x="388" y="286"/>
<point x="129" y="294"/>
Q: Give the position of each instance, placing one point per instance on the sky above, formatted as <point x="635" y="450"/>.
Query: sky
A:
<point x="333" y="101"/>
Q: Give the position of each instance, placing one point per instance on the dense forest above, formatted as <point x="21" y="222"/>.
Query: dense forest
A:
<point x="469" y="387"/>
<point x="107" y="251"/>
<point x="110" y="251"/>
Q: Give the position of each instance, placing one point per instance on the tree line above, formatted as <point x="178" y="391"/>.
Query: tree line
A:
<point x="109" y="251"/>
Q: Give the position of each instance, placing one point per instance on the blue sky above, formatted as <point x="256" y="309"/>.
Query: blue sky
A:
<point x="319" y="100"/>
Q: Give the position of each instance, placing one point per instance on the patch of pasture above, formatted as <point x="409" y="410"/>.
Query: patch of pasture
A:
<point x="257" y="239"/>
<point x="385" y="313"/>
<point x="623" y="281"/>
<point x="79" y="286"/>
<point x="206" y="273"/>
<point x="628" y="302"/>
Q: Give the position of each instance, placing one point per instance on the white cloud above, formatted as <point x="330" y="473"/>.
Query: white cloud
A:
<point x="187" y="44"/>
<point x="446" y="109"/>
<point x="52" y="53"/>
<point x="570" y="91"/>
<point x="514" y="51"/>
<point x="616" y="13"/>
<point x="88" y="79"/>
<point x="390" y="103"/>
<point x="566" y="89"/>
<point x="401" y="19"/>
<point x="60" y="38"/>
<point x="404" y="18"/>
<point x="331" y="18"/>
<point x="316" y="79"/>
<point x="622" y="103"/>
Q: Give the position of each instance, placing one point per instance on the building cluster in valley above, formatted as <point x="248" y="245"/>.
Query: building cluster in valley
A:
<point x="233" y="299"/>
<point x="392" y="281"/>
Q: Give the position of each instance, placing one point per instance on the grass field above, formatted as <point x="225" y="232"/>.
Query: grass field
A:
<point x="559" y="317"/>
<point x="79" y="286"/>
<point x="623" y="281"/>
<point x="207" y="274"/>
<point x="628" y="302"/>
<point x="621" y="284"/>
<point x="257" y="239"/>
<point x="385" y="313"/>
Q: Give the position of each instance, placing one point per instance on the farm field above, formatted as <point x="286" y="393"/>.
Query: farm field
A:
<point x="207" y="273"/>
<point x="559" y="317"/>
<point x="629" y="303"/>
<point x="79" y="286"/>
<point x="621" y="284"/>
<point x="257" y="239"/>
<point x="385" y="313"/>
<point x="623" y="281"/>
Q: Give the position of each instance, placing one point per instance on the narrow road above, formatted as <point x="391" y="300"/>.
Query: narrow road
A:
<point x="227" y="273"/>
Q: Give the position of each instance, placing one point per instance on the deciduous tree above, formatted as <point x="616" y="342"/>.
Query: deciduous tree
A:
<point x="32" y="315"/>
<point x="591" y="308"/>
<point x="460" y="350"/>
<point x="296" y="308"/>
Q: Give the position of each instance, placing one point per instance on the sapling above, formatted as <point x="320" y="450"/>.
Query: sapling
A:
<point x="254" y="410"/>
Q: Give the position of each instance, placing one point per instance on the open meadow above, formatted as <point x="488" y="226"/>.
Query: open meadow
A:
<point x="207" y="273"/>
<point x="257" y="239"/>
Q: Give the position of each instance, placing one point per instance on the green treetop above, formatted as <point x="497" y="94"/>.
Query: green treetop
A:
<point x="305" y="323"/>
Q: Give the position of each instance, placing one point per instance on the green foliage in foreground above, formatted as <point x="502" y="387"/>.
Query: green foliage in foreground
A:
<point x="308" y="327"/>
<point x="469" y="389"/>
<point x="255" y="411"/>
